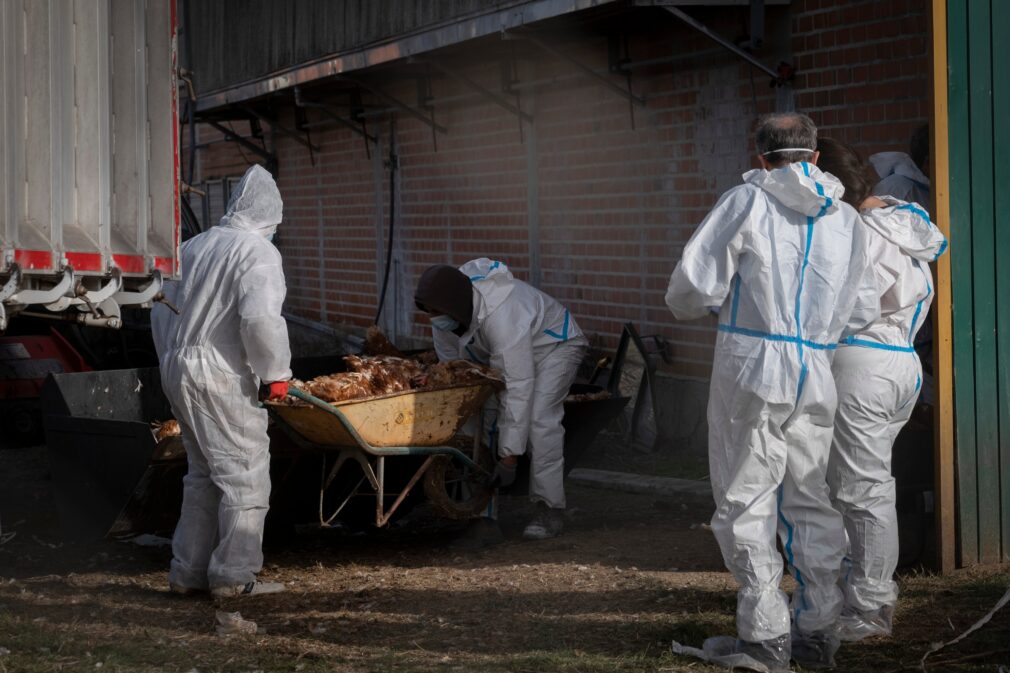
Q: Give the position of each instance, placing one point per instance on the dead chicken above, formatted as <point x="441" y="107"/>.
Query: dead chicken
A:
<point x="459" y="372"/>
<point x="377" y="343"/>
<point x="387" y="375"/>
<point x="163" y="429"/>
<point x="339" y="387"/>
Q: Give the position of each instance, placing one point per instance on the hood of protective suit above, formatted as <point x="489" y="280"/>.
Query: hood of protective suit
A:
<point x="255" y="204"/>
<point x="801" y="187"/>
<point x="897" y="163"/>
<point x="907" y="226"/>
<point x="492" y="279"/>
<point x="443" y="289"/>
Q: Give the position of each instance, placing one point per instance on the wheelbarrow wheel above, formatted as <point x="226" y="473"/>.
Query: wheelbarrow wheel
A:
<point x="456" y="491"/>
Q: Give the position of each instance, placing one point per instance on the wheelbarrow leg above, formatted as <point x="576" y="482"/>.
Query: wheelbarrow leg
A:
<point x="328" y="521"/>
<point x="327" y="479"/>
<point x="383" y="519"/>
<point x="380" y="491"/>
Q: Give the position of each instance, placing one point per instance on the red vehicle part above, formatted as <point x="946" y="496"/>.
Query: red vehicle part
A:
<point x="25" y="362"/>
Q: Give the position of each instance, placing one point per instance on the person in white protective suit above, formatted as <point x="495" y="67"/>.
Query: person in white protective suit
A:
<point x="229" y="338"/>
<point x="481" y="312"/>
<point x="878" y="376"/>
<point x="782" y="261"/>
<point x="905" y="176"/>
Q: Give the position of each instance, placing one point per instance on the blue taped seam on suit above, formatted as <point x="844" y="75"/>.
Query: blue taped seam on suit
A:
<point x="925" y="216"/>
<point x="768" y="336"/>
<point x="853" y="341"/>
<point x="943" y="249"/>
<point x="789" y="555"/>
<point x="799" y="296"/>
<point x="473" y="356"/>
<point x="915" y="393"/>
<point x="918" y="308"/>
<point x="564" y="329"/>
<point x="736" y="300"/>
<point x="494" y="265"/>
<point x="915" y="209"/>
<point x="865" y="343"/>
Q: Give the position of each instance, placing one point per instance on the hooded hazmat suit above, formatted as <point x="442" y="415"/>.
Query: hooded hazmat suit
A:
<point x="900" y="178"/>
<point x="878" y="376"/>
<point x="782" y="259"/>
<point x="537" y="345"/>
<point x="229" y="337"/>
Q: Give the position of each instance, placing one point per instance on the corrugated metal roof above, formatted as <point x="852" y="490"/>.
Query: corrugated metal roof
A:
<point x="242" y="49"/>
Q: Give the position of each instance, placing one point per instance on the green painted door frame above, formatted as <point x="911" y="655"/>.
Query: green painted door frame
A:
<point x="978" y="89"/>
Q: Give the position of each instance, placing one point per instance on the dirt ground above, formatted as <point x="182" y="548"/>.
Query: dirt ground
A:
<point x="631" y="573"/>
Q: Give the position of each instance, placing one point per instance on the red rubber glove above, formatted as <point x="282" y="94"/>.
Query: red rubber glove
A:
<point x="275" y="391"/>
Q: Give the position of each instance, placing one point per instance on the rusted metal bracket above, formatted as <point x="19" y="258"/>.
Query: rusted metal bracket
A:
<point x="619" y="56"/>
<point x="424" y="102"/>
<point x="327" y="112"/>
<point x="280" y="128"/>
<point x="778" y="76"/>
<point x="579" y="65"/>
<point x="271" y="159"/>
<point x="396" y="102"/>
<point x="475" y="86"/>
<point x="355" y="127"/>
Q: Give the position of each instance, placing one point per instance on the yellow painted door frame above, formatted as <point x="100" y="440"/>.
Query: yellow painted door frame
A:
<point x="943" y="358"/>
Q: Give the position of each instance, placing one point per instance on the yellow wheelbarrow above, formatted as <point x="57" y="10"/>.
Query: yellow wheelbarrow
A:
<point x="417" y="423"/>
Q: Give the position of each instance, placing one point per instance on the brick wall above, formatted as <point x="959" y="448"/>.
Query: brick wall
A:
<point x="864" y="69"/>
<point x="593" y="210"/>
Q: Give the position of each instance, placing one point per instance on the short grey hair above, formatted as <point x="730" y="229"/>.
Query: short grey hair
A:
<point x="785" y="130"/>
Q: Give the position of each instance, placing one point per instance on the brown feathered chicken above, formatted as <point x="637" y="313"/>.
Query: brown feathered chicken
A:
<point x="339" y="387"/>
<point x="169" y="428"/>
<point x="457" y="372"/>
<point x="387" y="374"/>
<point x="427" y="358"/>
<point x="376" y="343"/>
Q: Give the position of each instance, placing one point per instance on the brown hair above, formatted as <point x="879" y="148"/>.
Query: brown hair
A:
<point x="844" y="162"/>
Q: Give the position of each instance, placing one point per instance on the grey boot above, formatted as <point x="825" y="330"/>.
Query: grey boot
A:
<point x="854" y="625"/>
<point x="546" y="523"/>
<point x="815" y="650"/>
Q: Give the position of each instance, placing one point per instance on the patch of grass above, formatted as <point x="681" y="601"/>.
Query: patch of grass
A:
<point x="42" y="648"/>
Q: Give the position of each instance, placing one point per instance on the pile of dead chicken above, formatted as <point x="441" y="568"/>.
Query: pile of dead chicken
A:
<point x="387" y="374"/>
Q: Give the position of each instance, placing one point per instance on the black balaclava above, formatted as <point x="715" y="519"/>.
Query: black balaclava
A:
<point x="445" y="290"/>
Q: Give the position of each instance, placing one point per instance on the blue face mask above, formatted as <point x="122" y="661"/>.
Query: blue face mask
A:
<point x="444" y="323"/>
<point x="270" y="238"/>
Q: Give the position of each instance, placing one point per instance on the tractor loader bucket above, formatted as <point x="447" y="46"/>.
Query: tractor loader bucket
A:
<point x="104" y="456"/>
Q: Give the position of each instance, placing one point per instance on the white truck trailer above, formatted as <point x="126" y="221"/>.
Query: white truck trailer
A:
<point x="89" y="160"/>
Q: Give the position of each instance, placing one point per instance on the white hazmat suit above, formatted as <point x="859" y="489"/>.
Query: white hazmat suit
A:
<point x="879" y="376"/>
<point x="782" y="259"/>
<point x="900" y="178"/>
<point x="537" y="345"/>
<point x="229" y="337"/>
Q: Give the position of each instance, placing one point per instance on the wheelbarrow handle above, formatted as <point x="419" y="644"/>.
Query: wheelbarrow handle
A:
<point x="383" y="450"/>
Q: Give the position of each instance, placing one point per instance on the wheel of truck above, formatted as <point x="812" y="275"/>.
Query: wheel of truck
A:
<point x="455" y="490"/>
